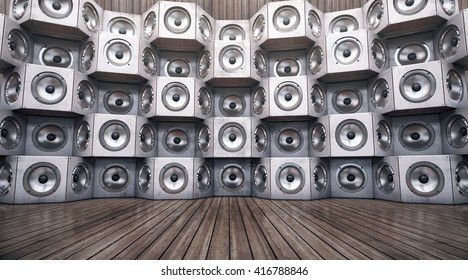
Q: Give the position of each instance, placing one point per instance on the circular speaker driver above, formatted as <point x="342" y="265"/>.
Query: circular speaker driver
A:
<point x="114" y="135"/>
<point x="346" y="101"/>
<point x="417" y="136"/>
<point x="232" y="58"/>
<point x="114" y="178"/>
<point x="6" y="176"/>
<point x="175" y="96"/>
<point x="260" y="178"/>
<point x="80" y="178"/>
<point x="146" y="99"/>
<point x="49" y="88"/>
<point x="118" y="101"/>
<point x="456" y="132"/>
<point x="41" y="179"/>
<point x="412" y="53"/>
<point x="122" y="26"/>
<point x="343" y="23"/>
<point x="147" y="138"/>
<point x="178" y="67"/>
<point x="318" y="137"/>
<point x="409" y="7"/>
<point x="317" y="98"/>
<point x="320" y="176"/>
<point x="206" y="30"/>
<point x="351" y="178"/>
<point x="232" y="105"/>
<point x="176" y="140"/>
<point x="204" y="138"/>
<point x="417" y="86"/>
<point x="385" y="177"/>
<point x="177" y="20"/>
<point x="203" y="178"/>
<point x="258" y="28"/>
<point x="232" y="137"/>
<point x="384" y="135"/>
<point x="12" y="88"/>
<point x="287" y="66"/>
<point x="49" y="137"/>
<point x="85" y="95"/>
<point x="19" y="8"/>
<point x="288" y="96"/>
<point x="82" y="136"/>
<point x="454" y="84"/>
<point x="351" y="135"/>
<point x="173" y="178"/>
<point x="347" y="50"/>
<point x="232" y="177"/>
<point x="290" y="178"/>
<point x="380" y="94"/>
<point x="57" y="9"/>
<point x="286" y="19"/>
<point x="204" y="64"/>
<point x="87" y="56"/>
<point x="144" y="178"/>
<point x="259" y="100"/>
<point x="150" y="61"/>
<point x="314" y="23"/>
<point x="449" y="41"/>
<point x="425" y="179"/>
<point x="260" y="64"/>
<point x="56" y="56"/>
<point x="375" y="14"/>
<point x="118" y="52"/>
<point x="149" y="25"/>
<point x="10" y="133"/>
<point x="261" y="139"/>
<point x="448" y="6"/>
<point x="204" y="101"/>
<point x="315" y="60"/>
<point x="379" y="54"/>
<point x="461" y="178"/>
<point x="289" y="140"/>
<point x="18" y="45"/>
<point x="232" y="32"/>
<point x="90" y="17"/>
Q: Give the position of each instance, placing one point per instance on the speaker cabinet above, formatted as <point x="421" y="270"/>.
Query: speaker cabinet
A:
<point x="175" y="178"/>
<point x="386" y="178"/>
<point x="16" y="44"/>
<point x="232" y="177"/>
<point x="320" y="178"/>
<point x="286" y="64"/>
<point x="8" y="169"/>
<point x="290" y="178"/>
<point x="351" y="178"/>
<point x="114" y="178"/>
<point x="178" y="64"/>
<point x="232" y="137"/>
<point x="176" y="139"/>
<point x="319" y="137"/>
<point x="13" y="127"/>
<point x="205" y="66"/>
<point x="259" y="62"/>
<point x="55" y="52"/>
<point x="118" y="98"/>
<point x="232" y="102"/>
<point x="316" y="59"/>
<point x="425" y="179"/>
<point x="261" y="176"/>
<point x="146" y="142"/>
<point x="228" y="30"/>
<point x="454" y="128"/>
<point x="40" y="180"/>
<point x="204" y="180"/>
<point x="150" y="61"/>
<point x="344" y="21"/>
<point x="450" y="40"/>
<point x="411" y="49"/>
<point x="459" y="173"/>
<point x="318" y="98"/>
<point x="355" y="55"/>
<point x="144" y="178"/>
<point x="347" y="98"/>
<point x="417" y="135"/>
<point x="205" y="27"/>
<point x="49" y="136"/>
<point x="80" y="179"/>
<point x="121" y="23"/>
<point x="289" y="139"/>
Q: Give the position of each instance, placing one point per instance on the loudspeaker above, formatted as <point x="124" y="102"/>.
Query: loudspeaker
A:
<point x="318" y="99"/>
<point x="13" y="127"/>
<point x="261" y="177"/>
<point x="227" y="30"/>
<point x="454" y="126"/>
<point x="319" y="137"/>
<point x="114" y="179"/>
<point x="233" y="137"/>
<point x="344" y="21"/>
<point x="260" y="62"/>
<point x="118" y="98"/>
<point x="320" y="178"/>
<point x="16" y="44"/>
<point x="417" y="135"/>
<point x="289" y="139"/>
<point x="90" y="21"/>
<point x="178" y="64"/>
<point x="176" y="139"/>
<point x="232" y="177"/>
<point x="205" y="27"/>
<point x="150" y="60"/>
<point x="146" y="137"/>
<point x="347" y="98"/>
<point x="358" y="54"/>
<point x="8" y="179"/>
<point x="232" y="102"/>
<point x="121" y="23"/>
<point x="80" y="179"/>
<point x="205" y="67"/>
<point x="386" y="178"/>
<point x="411" y="49"/>
<point x="425" y="179"/>
<point x="203" y="178"/>
<point x="40" y="180"/>
<point x="174" y="178"/>
<point x="55" y="52"/>
<point x="286" y="64"/>
<point x="316" y="59"/>
<point x="459" y="173"/>
<point x="351" y="178"/>
<point x="290" y="178"/>
<point x="49" y="136"/>
<point x="144" y="178"/>
<point x="450" y="40"/>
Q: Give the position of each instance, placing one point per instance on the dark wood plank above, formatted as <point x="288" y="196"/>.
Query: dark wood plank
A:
<point x="238" y="241"/>
<point x="219" y="245"/>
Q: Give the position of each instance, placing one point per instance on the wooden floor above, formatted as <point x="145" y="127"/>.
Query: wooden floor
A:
<point x="233" y="228"/>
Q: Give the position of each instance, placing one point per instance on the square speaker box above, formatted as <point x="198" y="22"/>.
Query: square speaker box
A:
<point x="347" y="98"/>
<point x="205" y="66"/>
<point x="319" y="137"/>
<point x="344" y="21"/>
<point x="290" y="178"/>
<point x="454" y="128"/>
<point x="121" y="23"/>
<point x="114" y="178"/>
<point x="232" y="177"/>
<point x="417" y="135"/>
<point x="8" y="168"/>
<point x="411" y="49"/>
<point x="316" y="60"/>
<point x="351" y="177"/>
<point x="205" y="30"/>
<point x="146" y="140"/>
<point x="426" y="179"/>
<point x="287" y="64"/>
<point x="320" y="178"/>
<point x="228" y="30"/>
<point x="149" y="65"/>
<point x="233" y="137"/>
<point x="176" y="139"/>
<point x="117" y="98"/>
<point x="232" y="102"/>
<point x="55" y="52"/>
<point x="318" y="98"/>
<point x="261" y="174"/>
<point x="80" y="179"/>
<point x="49" y="136"/>
<point x="386" y="178"/>
<point x="459" y="173"/>
<point x="174" y="178"/>
<point x="144" y="178"/>
<point x="289" y="139"/>
<point x="204" y="178"/>
<point x="40" y="180"/>
<point x="259" y="62"/>
<point x="13" y="127"/>
<point x="450" y="40"/>
<point x="16" y="44"/>
<point x="178" y="64"/>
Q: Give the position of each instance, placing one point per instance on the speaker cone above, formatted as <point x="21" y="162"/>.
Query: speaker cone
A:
<point x="417" y="136"/>
<point x="461" y="178"/>
<point x="147" y="138"/>
<point x="351" y="178"/>
<point x="87" y="56"/>
<point x="18" y="45"/>
<point x="150" y="61"/>
<point x="232" y="177"/>
<point x="175" y="96"/>
<point x="6" y="176"/>
<point x="204" y="138"/>
<point x="351" y="135"/>
<point x="454" y="84"/>
<point x="85" y="95"/>
<point x="232" y="58"/>
<point x="177" y="20"/>
<point x="320" y="178"/>
<point x="412" y="52"/>
<point x="259" y="100"/>
<point x="286" y="19"/>
<point x="425" y="179"/>
<point x="10" y="133"/>
<point x="80" y="178"/>
<point x="375" y="14"/>
<point x="289" y="140"/>
<point x="315" y="60"/>
<point x="41" y="179"/>
<point x="203" y="178"/>
<point x="379" y="54"/>
<point x="287" y="66"/>
<point x="384" y="135"/>
<point x="258" y="28"/>
<point x="260" y="138"/>
<point x="173" y="178"/>
<point x="232" y="105"/>
<point x="57" y="9"/>
<point x="204" y="64"/>
<point x="456" y="132"/>
<point x="206" y="30"/>
<point x="232" y="137"/>
<point x="449" y="41"/>
<point x="118" y="101"/>
<point x="380" y="94"/>
<point x="146" y="99"/>
<point x="204" y="101"/>
<point x="290" y="178"/>
<point x="314" y="23"/>
<point x="232" y="32"/>
<point x="317" y="98"/>
<point x="118" y="52"/>
<point x="347" y="50"/>
<point x="114" y="135"/>
<point x="49" y="88"/>
<point x="346" y="101"/>
<point x="90" y="17"/>
<point x="122" y="26"/>
<point x="12" y="88"/>
<point x="19" y="8"/>
<point x="178" y="67"/>
<point x="448" y="6"/>
<point x="176" y="140"/>
<point x="49" y="137"/>
<point x="318" y="137"/>
<point x="56" y="56"/>
<point x="149" y="25"/>
<point x="343" y="23"/>
<point x="385" y="178"/>
<point x="144" y="178"/>
<point x="260" y="64"/>
<point x="114" y="178"/>
<point x="417" y="86"/>
<point x="83" y="133"/>
<point x="288" y="96"/>
<point x="409" y="7"/>
<point x="260" y="178"/>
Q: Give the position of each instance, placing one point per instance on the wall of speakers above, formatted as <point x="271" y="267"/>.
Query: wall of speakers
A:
<point x="232" y="177"/>
<point x="114" y="178"/>
<point x="49" y="136"/>
<point x="174" y="178"/>
<point x="386" y="178"/>
<point x="351" y="178"/>
<point x="13" y="127"/>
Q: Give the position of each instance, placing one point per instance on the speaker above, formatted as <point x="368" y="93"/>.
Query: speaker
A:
<point x="450" y="41"/>
<point x="146" y="142"/>
<point x="233" y="137"/>
<point x="261" y="177"/>
<point x="40" y="180"/>
<point x="287" y="63"/>
<point x="205" y="66"/>
<point x="290" y="178"/>
<point x="80" y="179"/>
<point x="13" y="127"/>
<point x="114" y="179"/>
<point x="347" y="98"/>
<point x="91" y="19"/>
<point x="228" y="30"/>
<point x="425" y="179"/>
<point x="411" y="49"/>
<point x="351" y="178"/>
<point x="232" y="102"/>
<point x="316" y="60"/>
<point x="178" y="64"/>
<point x="344" y="21"/>
<point x="417" y="135"/>
<point x="150" y="60"/>
<point x="320" y="178"/>
<point x="289" y="139"/>
<point x="49" y="136"/>
<point x="175" y="178"/>
<point x="176" y="139"/>
<point x="318" y="98"/>
<point x="121" y="23"/>
<point x="55" y="52"/>
<point x="16" y="44"/>
<point x="118" y="98"/>
<point x="205" y="27"/>
<point x="144" y="178"/>
<point x="359" y="54"/>
<point x="8" y="167"/>
<point x="386" y="178"/>
<point x="232" y="177"/>
<point x="454" y="125"/>
<point x="319" y="137"/>
<point x="260" y="139"/>
<point x="259" y="62"/>
<point x="373" y="14"/>
<point x="459" y="173"/>
<point x="204" y="180"/>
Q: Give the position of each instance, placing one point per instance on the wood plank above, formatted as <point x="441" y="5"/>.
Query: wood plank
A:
<point x="238" y="241"/>
<point x="219" y="245"/>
